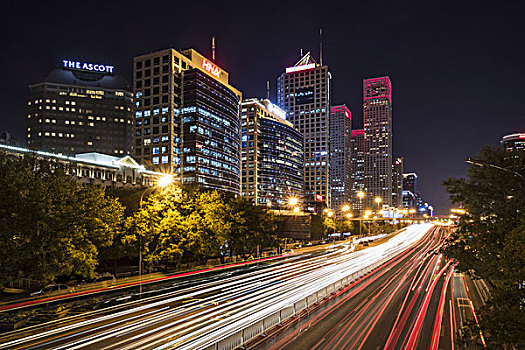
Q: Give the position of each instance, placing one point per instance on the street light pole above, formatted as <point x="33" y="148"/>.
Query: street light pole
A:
<point x="161" y="183"/>
<point x="360" y="195"/>
<point x="481" y="164"/>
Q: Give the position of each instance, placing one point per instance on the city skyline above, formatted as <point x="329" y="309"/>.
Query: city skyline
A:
<point x="445" y="98"/>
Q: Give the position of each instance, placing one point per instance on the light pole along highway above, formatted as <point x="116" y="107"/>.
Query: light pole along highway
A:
<point x="162" y="182"/>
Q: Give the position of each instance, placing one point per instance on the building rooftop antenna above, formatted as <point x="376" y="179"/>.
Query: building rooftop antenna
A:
<point x="321" y="46"/>
<point x="213" y="48"/>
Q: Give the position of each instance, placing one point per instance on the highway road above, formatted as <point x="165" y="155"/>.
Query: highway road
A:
<point x="404" y="304"/>
<point x="196" y="315"/>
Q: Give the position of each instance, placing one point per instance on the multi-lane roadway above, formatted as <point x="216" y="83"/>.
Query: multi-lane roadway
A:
<point x="391" y="307"/>
<point x="415" y="301"/>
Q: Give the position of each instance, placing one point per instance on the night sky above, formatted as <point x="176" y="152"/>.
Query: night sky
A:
<point x="457" y="68"/>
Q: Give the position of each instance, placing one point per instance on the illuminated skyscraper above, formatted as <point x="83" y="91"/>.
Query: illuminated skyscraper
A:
<point x="304" y="93"/>
<point x="377" y="119"/>
<point x="514" y="142"/>
<point x="187" y="119"/>
<point x="397" y="182"/>
<point x="340" y="134"/>
<point x="78" y="108"/>
<point x="357" y="167"/>
<point x="272" y="155"/>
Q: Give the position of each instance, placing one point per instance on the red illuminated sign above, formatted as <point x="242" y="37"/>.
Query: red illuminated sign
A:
<point x="211" y="68"/>
<point x="319" y="197"/>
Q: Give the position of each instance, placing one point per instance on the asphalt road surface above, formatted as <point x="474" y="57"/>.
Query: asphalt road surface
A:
<point x="404" y="304"/>
<point x="196" y="315"/>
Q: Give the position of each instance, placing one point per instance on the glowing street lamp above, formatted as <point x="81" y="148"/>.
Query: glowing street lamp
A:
<point x="162" y="182"/>
<point x="269" y="204"/>
<point x="360" y="195"/>
<point x="165" y="181"/>
<point x="345" y="208"/>
<point x="349" y="215"/>
<point x="296" y="209"/>
<point x="378" y="200"/>
<point x="330" y="213"/>
<point x="293" y="201"/>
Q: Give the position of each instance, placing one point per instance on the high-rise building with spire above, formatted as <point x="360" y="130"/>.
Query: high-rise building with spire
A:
<point x="377" y="119"/>
<point x="304" y="93"/>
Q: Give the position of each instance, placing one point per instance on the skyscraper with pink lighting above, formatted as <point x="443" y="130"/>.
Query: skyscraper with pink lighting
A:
<point x="377" y="119"/>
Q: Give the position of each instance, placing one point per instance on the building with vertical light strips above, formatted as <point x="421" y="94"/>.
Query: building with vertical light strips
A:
<point x="397" y="182"/>
<point x="357" y="167"/>
<point x="340" y="135"/>
<point x="303" y="91"/>
<point x="187" y="119"/>
<point x="271" y="154"/>
<point x="377" y="119"/>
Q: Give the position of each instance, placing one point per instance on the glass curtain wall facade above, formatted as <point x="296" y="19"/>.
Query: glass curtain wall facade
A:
<point x="181" y="98"/>
<point x="377" y="119"/>
<point x="272" y="155"/>
<point x="211" y="133"/>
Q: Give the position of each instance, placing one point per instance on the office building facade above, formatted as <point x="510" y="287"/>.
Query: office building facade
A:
<point x="514" y="142"/>
<point x="80" y="107"/>
<point x="187" y="119"/>
<point x="357" y="167"/>
<point x="410" y="182"/>
<point x="303" y="91"/>
<point x="340" y="159"/>
<point x="377" y="119"/>
<point x="272" y="155"/>
<point x="397" y="182"/>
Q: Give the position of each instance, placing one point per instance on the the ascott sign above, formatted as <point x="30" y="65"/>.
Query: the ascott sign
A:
<point x="90" y="67"/>
<point x="211" y="68"/>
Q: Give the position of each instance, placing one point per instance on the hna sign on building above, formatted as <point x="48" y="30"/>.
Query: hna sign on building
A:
<point x="90" y="67"/>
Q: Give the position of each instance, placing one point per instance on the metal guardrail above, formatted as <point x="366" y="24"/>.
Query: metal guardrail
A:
<point x="260" y="327"/>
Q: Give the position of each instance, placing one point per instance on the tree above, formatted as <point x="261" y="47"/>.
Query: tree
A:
<point x="156" y="228"/>
<point x="49" y="224"/>
<point x="252" y="227"/>
<point x="490" y="239"/>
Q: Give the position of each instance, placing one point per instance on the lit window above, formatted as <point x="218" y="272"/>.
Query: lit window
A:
<point x="165" y="159"/>
<point x="155" y="160"/>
